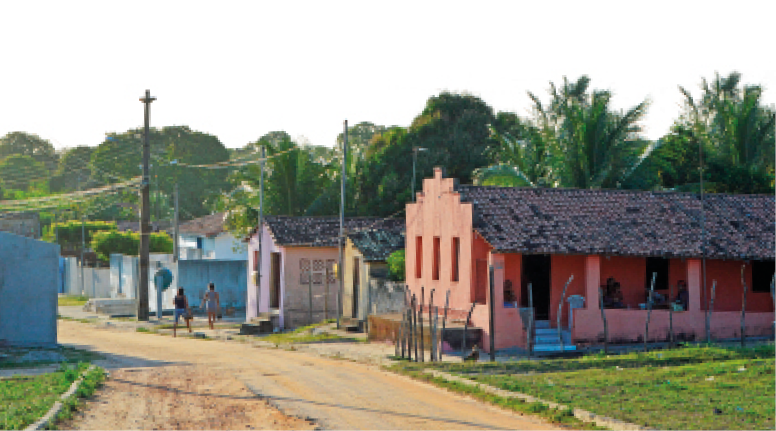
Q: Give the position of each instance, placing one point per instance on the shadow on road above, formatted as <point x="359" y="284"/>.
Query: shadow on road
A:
<point x="114" y="361"/>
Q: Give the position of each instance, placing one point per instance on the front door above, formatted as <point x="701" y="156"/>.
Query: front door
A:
<point x="356" y="285"/>
<point x="274" y="281"/>
<point x="536" y="271"/>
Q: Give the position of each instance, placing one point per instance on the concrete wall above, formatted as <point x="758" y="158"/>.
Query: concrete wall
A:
<point x="254" y="301"/>
<point x="229" y="276"/>
<point x="388" y="296"/>
<point x="29" y="279"/>
<point x="295" y="294"/>
<point x="222" y="247"/>
<point x="96" y="281"/>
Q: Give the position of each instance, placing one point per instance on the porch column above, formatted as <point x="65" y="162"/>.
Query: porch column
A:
<point x="592" y="281"/>
<point x="497" y="261"/>
<point x="694" y="284"/>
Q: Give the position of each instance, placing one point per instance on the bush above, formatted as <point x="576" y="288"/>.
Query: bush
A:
<point x="69" y="232"/>
<point x="128" y="243"/>
<point x="396" y="265"/>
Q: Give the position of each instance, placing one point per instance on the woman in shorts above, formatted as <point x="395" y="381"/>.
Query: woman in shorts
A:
<point x="181" y="309"/>
<point x="212" y="304"/>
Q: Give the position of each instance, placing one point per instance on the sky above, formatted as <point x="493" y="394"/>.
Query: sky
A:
<point x="73" y="71"/>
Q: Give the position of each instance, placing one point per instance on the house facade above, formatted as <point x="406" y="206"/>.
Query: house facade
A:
<point x="297" y="280"/>
<point x="206" y="238"/>
<point x="365" y="260"/>
<point x="542" y="237"/>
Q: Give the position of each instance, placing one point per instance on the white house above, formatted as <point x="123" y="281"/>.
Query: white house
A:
<point x="206" y="238"/>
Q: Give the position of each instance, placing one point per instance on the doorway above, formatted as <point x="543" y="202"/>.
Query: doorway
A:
<point x="274" y="281"/>
<point x="536" y="271"/>
<point x="356" y="285"/>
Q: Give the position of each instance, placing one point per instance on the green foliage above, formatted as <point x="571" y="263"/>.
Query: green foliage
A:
<point x="22" y="171"/>
<point x="576" y="140"/>
<point x="68" y="234"/>
<point x="395" y="263"/>
<point x="128" y="243"/>
<point x="73" y="172"/>
<point x="119" y="157"/>
<point x="28" y="144"/>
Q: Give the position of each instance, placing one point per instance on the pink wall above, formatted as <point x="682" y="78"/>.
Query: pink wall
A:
<point x="728" y="296"/>
<point x="268" y="246"/>
<point x="563" y="267"/>
<point x="439" y="213"/>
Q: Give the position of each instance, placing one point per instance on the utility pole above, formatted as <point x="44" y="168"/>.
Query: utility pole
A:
<point x="83" y="239"/>
<point x="415" y="151"/>
<point x="142" y="296"/>
<point x="175" y="249"/>
<point x="260" y="231"/>
<point x="341" y="286"/>
<point x="703" y="223"/>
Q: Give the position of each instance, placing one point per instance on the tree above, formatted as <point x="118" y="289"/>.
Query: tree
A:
<point x="396" y="266"/>
<point x="74" y="170"/>
<point x="297" y="180"/>
<point x="735" y="131"/>
<point x="27" y="144"/>
<point x="173" y="150"/>
<point x="106" y="243"/>
<point x="576" y="140"/>
<point x="19" y="172"/>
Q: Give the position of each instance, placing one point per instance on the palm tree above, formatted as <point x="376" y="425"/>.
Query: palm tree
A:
<point x="577" y="140"/>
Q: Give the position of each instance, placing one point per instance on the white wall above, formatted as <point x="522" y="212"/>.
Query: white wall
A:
<point x="223" y="247"/>
<point x="268" y="246"/>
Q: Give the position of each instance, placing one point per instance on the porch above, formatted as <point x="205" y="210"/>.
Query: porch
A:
<point x="581" y="317"/>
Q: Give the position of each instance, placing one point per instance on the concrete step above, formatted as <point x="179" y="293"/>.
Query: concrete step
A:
<point x="547" y="339"/>
<point x="541" y="324"/>
<point x="546" y="331"/>
<point x="259" y="327"/>
<point x="554" y="348"/>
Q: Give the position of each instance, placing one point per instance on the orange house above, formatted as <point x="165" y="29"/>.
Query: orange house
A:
<point x="541" y="237"/>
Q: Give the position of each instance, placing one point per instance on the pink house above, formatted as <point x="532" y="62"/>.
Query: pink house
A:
<point x="297" y="258"/>
<point x="456" y="233"/>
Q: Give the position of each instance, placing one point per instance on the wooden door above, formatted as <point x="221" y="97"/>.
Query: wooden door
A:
<point x="356" y="286"/>
<point x="274" y="289"/>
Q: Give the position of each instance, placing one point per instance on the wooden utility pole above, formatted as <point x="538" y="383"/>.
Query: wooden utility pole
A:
<point x="649" y="313"/>
<point x="341" y="287"/>
<point x="145" y="215"/>
<point x="743" y="308"/>
<point x="175" y="248"/>
<point x="560" y="314"/>
<point x="603" y="318"/>
<point x="260" y="232"/>
<point x="492" y="312"/>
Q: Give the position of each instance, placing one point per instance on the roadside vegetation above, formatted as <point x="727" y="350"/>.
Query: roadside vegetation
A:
<point x="707" y="387"/>
<point x="25" y="399"/>
<point x="18" y="357"/>
<point x="70" y="300"/>
<point x="306" y="334"/>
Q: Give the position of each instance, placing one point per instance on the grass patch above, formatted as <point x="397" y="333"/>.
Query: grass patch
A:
<point x="142" y="329"/>
<point x="73" y="319"/>
<point x="304" y="335"/>
<point x="24" y="400"/>
<point x="70" y="300"/>
<point x="91" y="382"/>
<point x="30" y="357"/>
<point x="562" y="417"/>
<point x="709" y="387"/>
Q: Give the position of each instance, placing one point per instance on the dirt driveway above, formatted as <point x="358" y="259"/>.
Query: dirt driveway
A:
<point x="334" y="394"/>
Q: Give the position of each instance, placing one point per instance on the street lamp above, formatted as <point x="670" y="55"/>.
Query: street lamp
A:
<point x="415" y="151"/>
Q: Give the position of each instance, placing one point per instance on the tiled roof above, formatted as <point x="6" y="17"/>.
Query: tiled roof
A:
<point x="619" y="222"/>
<point x="209" y="225"/>
<point x="378" y="243"/>
<point x="314" y="231"/>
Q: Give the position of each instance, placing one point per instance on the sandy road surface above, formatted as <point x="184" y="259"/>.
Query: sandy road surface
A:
<point x="335" y="394"/>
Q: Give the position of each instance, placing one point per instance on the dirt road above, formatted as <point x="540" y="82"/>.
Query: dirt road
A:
<point x="334" y="394"/>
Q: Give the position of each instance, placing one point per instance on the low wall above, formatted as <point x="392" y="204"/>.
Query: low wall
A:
<point x="387" y="296"/>
<point x="112" y="307"/>
<point x="627" y="326"/>
<point x="29" y="282"/>
<point x="229" y="276"/>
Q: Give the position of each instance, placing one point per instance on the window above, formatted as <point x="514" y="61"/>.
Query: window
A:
<point x="304" y="271"/>
<point x="762" y="275"/>
<point x="319" y="271"/>
<point x="330" y="268"/>
<point x="437" y="255"/>
<point x="456" y="254"/>
<point x="660" y="266"/>
<point x="199" y="243"/>
<point x="418" y="256"/>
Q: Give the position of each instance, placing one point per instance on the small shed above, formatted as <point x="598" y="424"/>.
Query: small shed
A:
<point x="29" y="280"/>
<point x="366" y="253"/>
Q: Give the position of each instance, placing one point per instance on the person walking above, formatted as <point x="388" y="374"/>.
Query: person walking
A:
<point x="212" y="304"/>
<point x="181" y="309"/>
